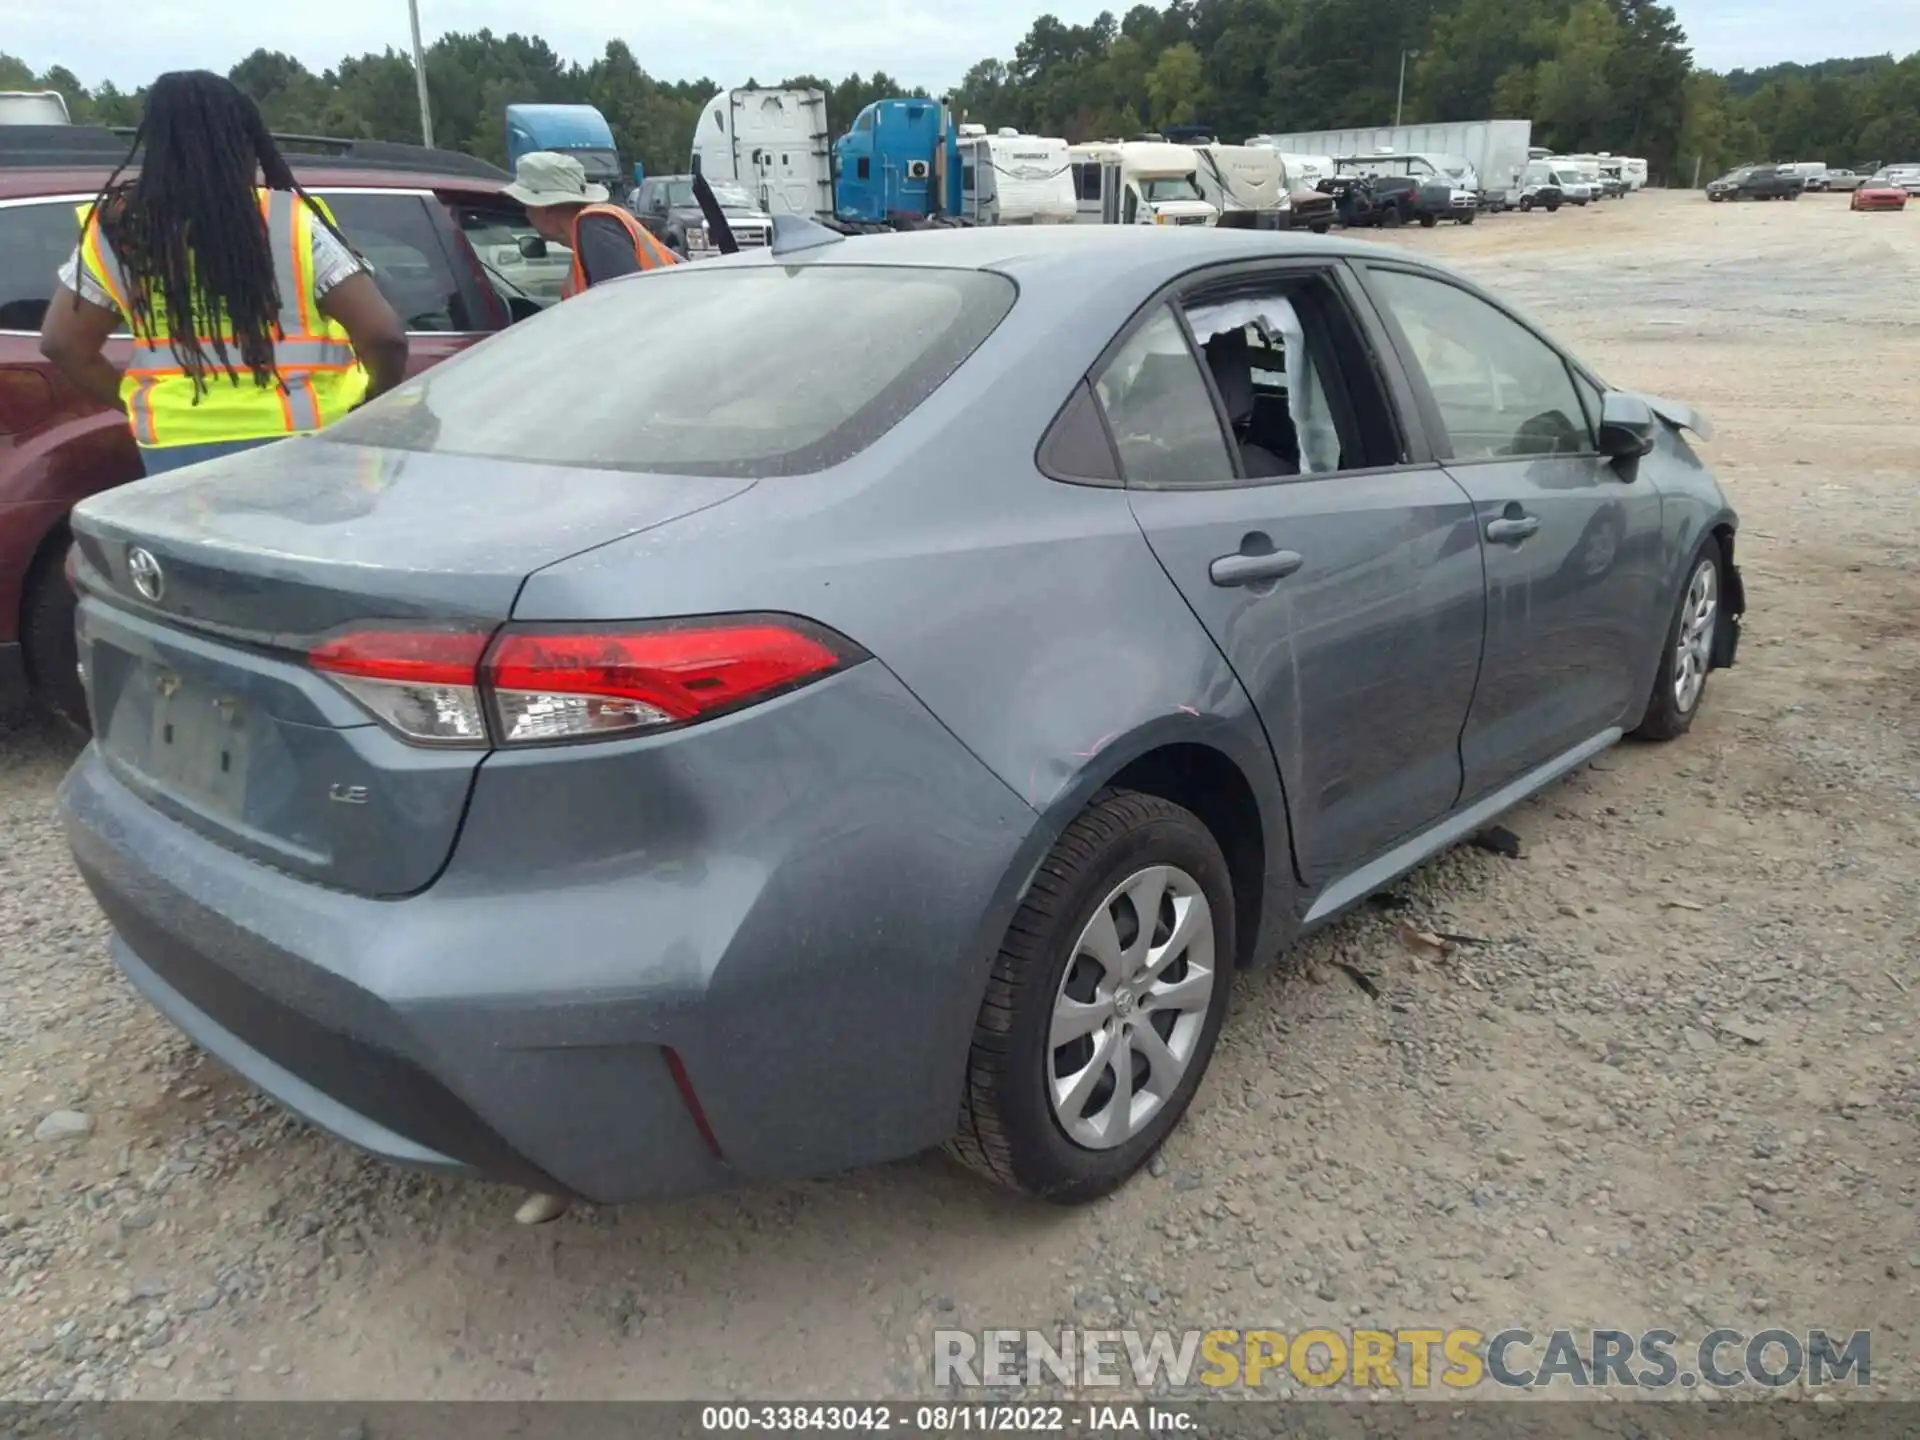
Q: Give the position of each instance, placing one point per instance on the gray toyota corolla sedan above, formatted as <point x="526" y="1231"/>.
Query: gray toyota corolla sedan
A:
<point x="887" y="715"/>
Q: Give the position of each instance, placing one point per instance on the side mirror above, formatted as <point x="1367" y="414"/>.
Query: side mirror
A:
<point x="1626" y="426"/>
<point x="533" y="247"/>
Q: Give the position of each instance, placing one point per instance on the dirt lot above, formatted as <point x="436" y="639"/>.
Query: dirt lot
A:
<point x="1675" y="1086"/>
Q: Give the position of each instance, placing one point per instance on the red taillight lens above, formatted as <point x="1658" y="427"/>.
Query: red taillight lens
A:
<point x="571" y="685"/>
<point x="440" y="687"/>
<point x="425" y="684"/>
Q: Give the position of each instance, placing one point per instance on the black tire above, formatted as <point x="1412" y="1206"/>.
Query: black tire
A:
<point x="1665" y="718"/>
<point x="46" y="634"/>
<point x="1468" y="218"/>
<point x="1526" y="204"/>
<point x="1008" y="1131"/>
<point x="1322" y="228"/>
<point x="1791" y="195"/>
<point x="1391" y="218"/>
<point x="1552" y="206"/>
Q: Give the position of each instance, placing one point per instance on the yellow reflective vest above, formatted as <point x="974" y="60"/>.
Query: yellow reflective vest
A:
<point x="319" y="377"/>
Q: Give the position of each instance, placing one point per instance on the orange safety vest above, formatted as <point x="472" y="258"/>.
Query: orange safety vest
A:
<point x="648" y="248"/>
<point x="320" y="376"/>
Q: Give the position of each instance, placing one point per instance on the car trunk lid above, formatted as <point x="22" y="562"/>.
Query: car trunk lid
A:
<point x="205" y="589"/>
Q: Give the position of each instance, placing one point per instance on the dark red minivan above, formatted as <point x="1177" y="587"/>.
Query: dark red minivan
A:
<point x="444" y="244"/>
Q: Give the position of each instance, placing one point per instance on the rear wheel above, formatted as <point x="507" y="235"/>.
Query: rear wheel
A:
<point x="1526" y="203"/>
<point x="1104" y="1003"/>
<point x="1427" y="222"/>
<point x="1687" y="659"/>
<point x="46" y="633"/>
<point x="1391" y="218"/>
<point x="1552" y="206"/>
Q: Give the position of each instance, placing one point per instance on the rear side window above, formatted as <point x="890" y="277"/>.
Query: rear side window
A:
<point x="35" y="241"/>
<point x="1157" y="406"/>
<point x="757" y="371"/>
<point x="397" y="236"/>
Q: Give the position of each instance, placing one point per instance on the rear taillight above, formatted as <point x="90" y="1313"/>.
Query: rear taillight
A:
<point x="548" y="684"/>
<point x="423" y="684"/>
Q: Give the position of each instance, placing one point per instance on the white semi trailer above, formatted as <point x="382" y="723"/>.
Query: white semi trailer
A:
<point x="774" y="144"/>
<point x="1497" y="150"/>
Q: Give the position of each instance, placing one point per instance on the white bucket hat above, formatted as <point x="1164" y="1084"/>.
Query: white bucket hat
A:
<point x="546" y="177"/>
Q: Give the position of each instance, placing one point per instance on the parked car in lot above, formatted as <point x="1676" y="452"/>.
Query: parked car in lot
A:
<point x="665" y="205"/>
<point x="1311" y="209"/>
<point x="416" y="214"/>
<point x="1755" y="182"/>
<point x="1837" y="179"/>
<point x="1540" y="188"/>
<point x="1907" y="177"/>
<point x="1879" y="195"/>
<point x="1410" y="187"/>
<point x="625" y="806"/>
<point x="1575" y="188"/>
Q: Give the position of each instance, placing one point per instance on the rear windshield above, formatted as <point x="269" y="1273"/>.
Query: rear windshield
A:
<point x="754" y="371"/>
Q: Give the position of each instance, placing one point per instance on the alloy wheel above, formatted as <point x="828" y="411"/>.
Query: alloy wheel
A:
<point x="1693" y="649"/>
<point x="1132" y="1007"/>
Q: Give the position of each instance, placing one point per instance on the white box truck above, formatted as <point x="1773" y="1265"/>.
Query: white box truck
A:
<point x="772" y="143"/>
<point x="1495" y="150"/>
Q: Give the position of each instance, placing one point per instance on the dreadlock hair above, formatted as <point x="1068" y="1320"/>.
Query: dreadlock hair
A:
<point x="204" y="142"/>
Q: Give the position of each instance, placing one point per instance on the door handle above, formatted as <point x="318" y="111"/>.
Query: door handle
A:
<point x="1511" y="529"/>
<point x="1252" y="569"/>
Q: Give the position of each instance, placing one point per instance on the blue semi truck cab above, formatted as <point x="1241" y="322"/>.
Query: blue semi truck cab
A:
<point x="577" y="130"/>
<point x="900" y="161"/>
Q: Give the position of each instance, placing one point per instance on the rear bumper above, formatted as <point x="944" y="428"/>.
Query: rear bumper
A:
<point x="811" y="955"/>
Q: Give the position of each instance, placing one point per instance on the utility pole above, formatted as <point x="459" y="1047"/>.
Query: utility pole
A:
<point x="1400" y="96"/>
<point x="420" y="75"/>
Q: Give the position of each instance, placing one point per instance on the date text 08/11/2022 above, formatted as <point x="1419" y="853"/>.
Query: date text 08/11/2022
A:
<point x="985" y="1419"/>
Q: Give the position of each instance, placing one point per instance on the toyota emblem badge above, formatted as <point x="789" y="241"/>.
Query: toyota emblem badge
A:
<point x="146" y="574"/>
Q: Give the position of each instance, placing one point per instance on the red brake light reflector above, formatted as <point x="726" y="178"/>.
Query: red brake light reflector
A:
<point x="573" y="685"/>
<point x="424" y="684"/>
<point x="434" y="657"/>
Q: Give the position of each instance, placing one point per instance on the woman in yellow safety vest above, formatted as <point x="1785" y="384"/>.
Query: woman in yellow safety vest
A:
<point x="252" y="318"/>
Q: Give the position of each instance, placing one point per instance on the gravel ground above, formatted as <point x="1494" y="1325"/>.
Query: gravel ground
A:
<point x="1672" y="1081"/>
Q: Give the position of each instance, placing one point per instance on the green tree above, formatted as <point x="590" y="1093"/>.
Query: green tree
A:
<point x="1175" y="86"/>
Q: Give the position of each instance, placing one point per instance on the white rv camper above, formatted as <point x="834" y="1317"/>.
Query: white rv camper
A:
<point x="1138" y="182"/>
<point x="773" y="144"/>
<point x="1244" y="177"/>
<point x="1014" y="179"/>
<point x="1304" y="171"/>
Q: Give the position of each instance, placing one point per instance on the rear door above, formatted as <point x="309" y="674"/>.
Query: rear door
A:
<point x="1572" y="542"/>
<point x="1336" y="569"/>
<point x="422" y="265"/>
<point x="57" y="444"/>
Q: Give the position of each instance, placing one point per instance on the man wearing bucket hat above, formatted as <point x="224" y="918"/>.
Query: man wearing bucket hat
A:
<point x="607" y="242"/>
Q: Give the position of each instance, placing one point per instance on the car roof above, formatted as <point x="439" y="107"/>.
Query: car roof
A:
<point x="1082" y="255"/>
<point x="29" y="184"/>
<point x="51" y="160"/>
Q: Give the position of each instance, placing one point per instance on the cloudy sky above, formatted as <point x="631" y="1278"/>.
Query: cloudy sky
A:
<point x="730" y="40"/>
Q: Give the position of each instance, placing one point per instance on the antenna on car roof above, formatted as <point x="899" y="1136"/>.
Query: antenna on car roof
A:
<point x="794" y="233"/>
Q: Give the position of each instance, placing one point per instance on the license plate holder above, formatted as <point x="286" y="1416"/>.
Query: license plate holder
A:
<point x="199" y="746"/>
